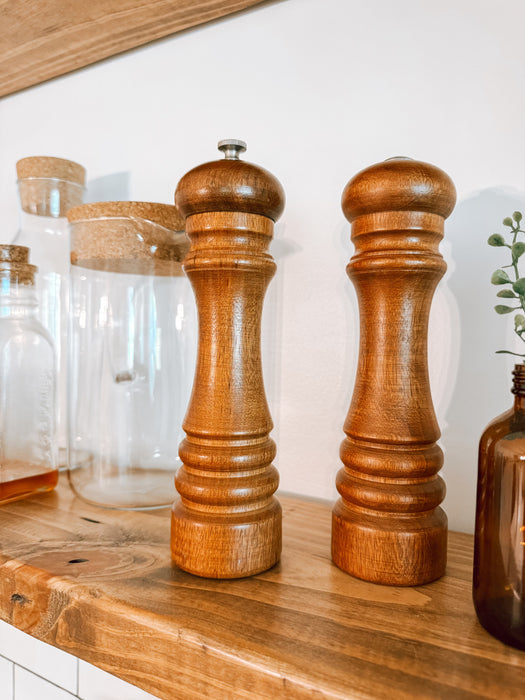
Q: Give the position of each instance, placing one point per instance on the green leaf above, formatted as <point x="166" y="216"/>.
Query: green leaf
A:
<point x="517" y="216"/>
<point x="500" y="309"/>
<point x="500" y="277"/>
<point x="507" y="221"/>
<point x="519" y="323"/>
<point x="506" y="293"/>
<point x="496" y="240"/>
<point x="519" y="286"/>
<point x="508" y="352"/>
<point x="517" y="250"/>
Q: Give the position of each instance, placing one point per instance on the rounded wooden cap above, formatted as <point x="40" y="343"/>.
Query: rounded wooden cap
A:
<point x="399" y="184"/>
<point x="230" y="185"/>
<point x="49" y="167"/>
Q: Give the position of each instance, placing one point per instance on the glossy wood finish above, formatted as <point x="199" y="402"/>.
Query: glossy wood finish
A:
<point x="388" y="526"/>
<point x="41" y="40"/>
<point x="227" y="523"/>
<point x="99" y="584"/>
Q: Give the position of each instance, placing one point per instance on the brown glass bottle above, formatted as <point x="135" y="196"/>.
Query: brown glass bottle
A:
<point x="499" y="553"/>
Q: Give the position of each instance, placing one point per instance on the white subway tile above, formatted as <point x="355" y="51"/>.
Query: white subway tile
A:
<point x="43" y="659"/>
<point x="6" y="679"/>
<point x="95" y="684"/>
<point x="31" y="687"/>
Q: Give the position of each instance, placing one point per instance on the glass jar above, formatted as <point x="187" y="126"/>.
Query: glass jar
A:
<point x="499" y="552"/>
<point x="28" y="460"/>
<point x="131" y="352"/>
<point x="47" y="188"/>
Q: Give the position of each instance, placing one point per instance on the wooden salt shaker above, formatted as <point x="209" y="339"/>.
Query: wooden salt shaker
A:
<point x="388" y="526"/>
<point x="227" y="523"/>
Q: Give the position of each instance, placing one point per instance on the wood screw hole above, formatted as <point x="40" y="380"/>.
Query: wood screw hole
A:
<point x="19" y="598"/>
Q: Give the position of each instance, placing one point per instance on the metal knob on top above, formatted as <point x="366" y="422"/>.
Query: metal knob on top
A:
<point x="232" y="148"/>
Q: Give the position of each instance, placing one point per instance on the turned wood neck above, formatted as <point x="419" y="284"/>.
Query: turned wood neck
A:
<point x="395" y="270"/>
<point x="229" y="252"/>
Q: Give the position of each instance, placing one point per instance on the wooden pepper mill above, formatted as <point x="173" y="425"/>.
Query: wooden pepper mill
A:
<point x="387" y="526"/>
<point x="227" y="523"/>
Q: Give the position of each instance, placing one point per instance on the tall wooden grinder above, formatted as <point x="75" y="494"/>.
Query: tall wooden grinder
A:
<point x="227" y="522"/>
<point x="388" y="526"/>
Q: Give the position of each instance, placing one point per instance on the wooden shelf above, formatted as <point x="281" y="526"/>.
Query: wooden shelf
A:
<point x="99" y="584"/>
<point x="42" y="40"/>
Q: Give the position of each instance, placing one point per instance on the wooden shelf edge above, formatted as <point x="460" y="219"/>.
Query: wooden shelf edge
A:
<point x="303" y="628"/>
<point x="69" y="36"/>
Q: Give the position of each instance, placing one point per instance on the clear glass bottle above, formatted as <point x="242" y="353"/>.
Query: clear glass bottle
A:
<point x="47" y="188"/>
<point x="131" y="352"/>
<point x="28" y="459"/>
<point x="499" y="552"/>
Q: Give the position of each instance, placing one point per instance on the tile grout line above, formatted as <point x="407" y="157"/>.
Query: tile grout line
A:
<point x="42" y="678"/>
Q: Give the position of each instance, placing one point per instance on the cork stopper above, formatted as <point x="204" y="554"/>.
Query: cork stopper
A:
<point x="399" y="184"/>
<point x="48" y="167"/>
<point x="14" y="253"/>
<point x="230" y="184"/>
<point x="49" y="186"/>
<point x="132" y="237"/>
<point x="15" y="266"/>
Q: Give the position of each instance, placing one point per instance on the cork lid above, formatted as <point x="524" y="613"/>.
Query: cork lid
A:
<point x="49" y="167"/>
<point x="399" y="184"/>
<point x="165" y="215"/>
<point x="14" y="253"/>
<point x="15" y="266"/>
<point x="130" y="237"/>
<point x="230" y="184"/>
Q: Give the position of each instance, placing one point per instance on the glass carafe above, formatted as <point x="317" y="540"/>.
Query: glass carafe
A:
<point x="47" y="188"/>
<point x="131" y="352"/>
<point x="28" y="459"/>
<point x="499" y="554"/>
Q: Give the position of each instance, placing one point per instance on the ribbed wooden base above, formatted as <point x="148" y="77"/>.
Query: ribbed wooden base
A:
<point x="406" y="550"/>
<point x="226" y="546"/>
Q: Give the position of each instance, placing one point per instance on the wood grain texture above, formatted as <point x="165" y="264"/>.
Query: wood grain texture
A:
<point x="388" y="526"/>
<point x="41" y="40"/>
<point x="227" y="523"/>
<point x="99" y="584"/>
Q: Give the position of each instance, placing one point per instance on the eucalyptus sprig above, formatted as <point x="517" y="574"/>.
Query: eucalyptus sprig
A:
<point x="516" y="291"/>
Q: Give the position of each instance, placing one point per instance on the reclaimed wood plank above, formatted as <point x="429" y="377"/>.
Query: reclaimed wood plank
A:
<point x="43" y="39"/>
<point x="100" y="584"/>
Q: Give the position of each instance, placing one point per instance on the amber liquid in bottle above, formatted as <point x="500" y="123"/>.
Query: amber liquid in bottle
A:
<point x="19" y="479"/>
<point x="499" y="554"/>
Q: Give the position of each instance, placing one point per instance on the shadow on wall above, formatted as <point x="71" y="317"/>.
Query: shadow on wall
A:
<point x="272" y="328"/>
<point x="109" y="188"/>
<point x="483" y="381"/>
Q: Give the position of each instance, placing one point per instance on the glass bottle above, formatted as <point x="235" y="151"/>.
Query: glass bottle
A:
<point x="133" y="325"/>
<point x="28" y="460"/>
<point x="47" y="188"/>
<point x="499" y="552"/>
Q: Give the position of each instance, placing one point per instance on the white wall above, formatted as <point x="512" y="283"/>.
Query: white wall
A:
<point x="320" y="89"/>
